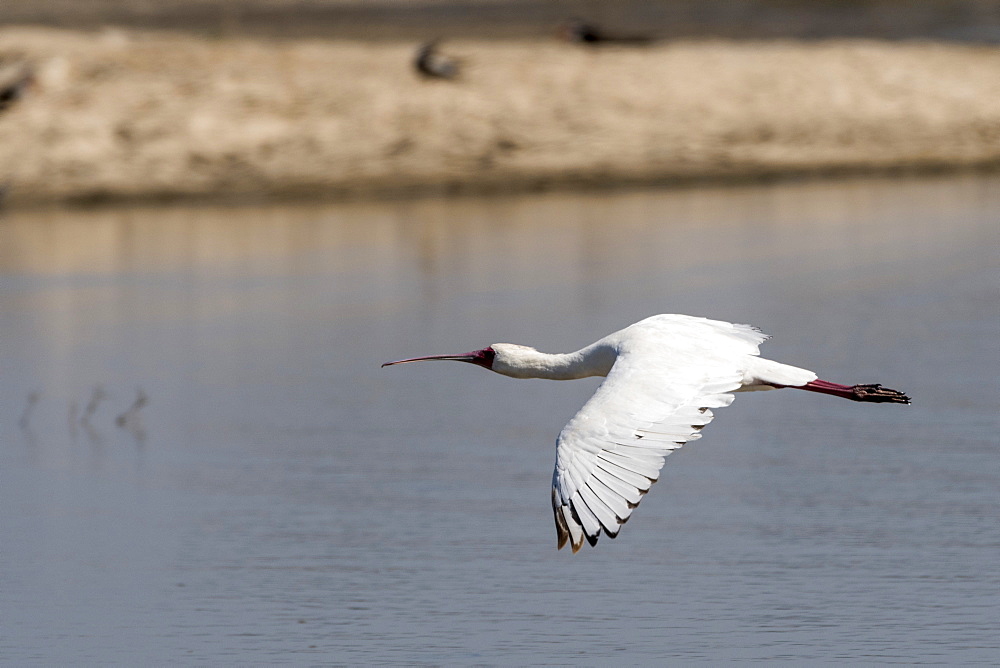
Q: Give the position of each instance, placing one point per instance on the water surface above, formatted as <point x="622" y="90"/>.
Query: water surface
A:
<point x="283" y="500"/>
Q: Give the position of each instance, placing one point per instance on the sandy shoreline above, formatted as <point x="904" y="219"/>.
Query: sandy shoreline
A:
<point x="131" y="115"/>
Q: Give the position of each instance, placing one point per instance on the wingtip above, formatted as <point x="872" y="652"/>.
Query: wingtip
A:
<point x="562" y="531"/>
<point x="562" y="536"/>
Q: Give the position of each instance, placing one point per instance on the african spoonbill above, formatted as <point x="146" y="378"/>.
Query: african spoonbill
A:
<point x="663" y="374"/>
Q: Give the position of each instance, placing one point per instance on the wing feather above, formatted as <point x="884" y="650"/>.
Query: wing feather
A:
<point x="626" y="475"/>
<point x="575" y="530"/>
<point x="645" y="467"/>
<point x="601" y="511"/>
<point x="669" y="372"/>
<point x="628" y="493"/>
<point x="585" y="516"/>
<point x="612" y="499"/>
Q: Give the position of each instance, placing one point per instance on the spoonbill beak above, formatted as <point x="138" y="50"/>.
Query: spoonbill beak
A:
<point x="483" y="358"/>
<point x="457" y="358"/>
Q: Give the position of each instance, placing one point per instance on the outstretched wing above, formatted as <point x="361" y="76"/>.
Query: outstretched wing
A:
<point x="658" y="395"/>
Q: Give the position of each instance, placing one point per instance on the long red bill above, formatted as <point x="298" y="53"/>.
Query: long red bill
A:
<point x="483" y="358"/>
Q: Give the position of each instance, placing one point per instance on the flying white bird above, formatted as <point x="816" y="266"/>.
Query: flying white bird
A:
<point x="664" y="375"/>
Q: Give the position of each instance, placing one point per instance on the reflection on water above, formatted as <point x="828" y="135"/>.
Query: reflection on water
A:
<point x="201" y="457"/>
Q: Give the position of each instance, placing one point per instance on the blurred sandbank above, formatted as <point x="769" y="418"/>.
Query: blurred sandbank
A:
<point x="128" y="114"/>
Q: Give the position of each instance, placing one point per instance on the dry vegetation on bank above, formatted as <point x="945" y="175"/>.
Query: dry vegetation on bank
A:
<point x="136" y="115"/>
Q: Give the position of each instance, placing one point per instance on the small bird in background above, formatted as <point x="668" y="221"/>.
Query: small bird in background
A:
<point x="432" y="64"/>
<point x="15" y="80"/>
<point x="578" y="31"/>
<point x="663" y="375"/>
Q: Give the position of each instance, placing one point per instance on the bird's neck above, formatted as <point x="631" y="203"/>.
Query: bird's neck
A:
<point x="591" y="361"/>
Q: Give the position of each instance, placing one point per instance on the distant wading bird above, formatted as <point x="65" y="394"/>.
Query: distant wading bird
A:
<point x="432" y="64"/>
<point x="14" y="83"/>
<point x="579" y="31"/>
<point x="664" y="374"/>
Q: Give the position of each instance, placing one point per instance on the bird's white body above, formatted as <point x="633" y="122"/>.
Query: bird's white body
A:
<point x="663" y="374"/>
<point x="688" y="338"/>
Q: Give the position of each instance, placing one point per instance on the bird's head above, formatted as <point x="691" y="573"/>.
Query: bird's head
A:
<point x="483" y="358"/>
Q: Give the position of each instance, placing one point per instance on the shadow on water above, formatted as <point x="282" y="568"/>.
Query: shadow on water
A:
<point x="317" y="508"/>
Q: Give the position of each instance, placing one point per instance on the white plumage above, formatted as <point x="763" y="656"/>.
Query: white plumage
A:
<point x="664" y="375"/>
<point x="669" y="372"/>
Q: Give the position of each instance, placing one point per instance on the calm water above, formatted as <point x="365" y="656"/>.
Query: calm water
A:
<point x="283" y="500"/>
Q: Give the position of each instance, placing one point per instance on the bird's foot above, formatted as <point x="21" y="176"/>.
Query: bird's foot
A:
<point x="878" y="394"/>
